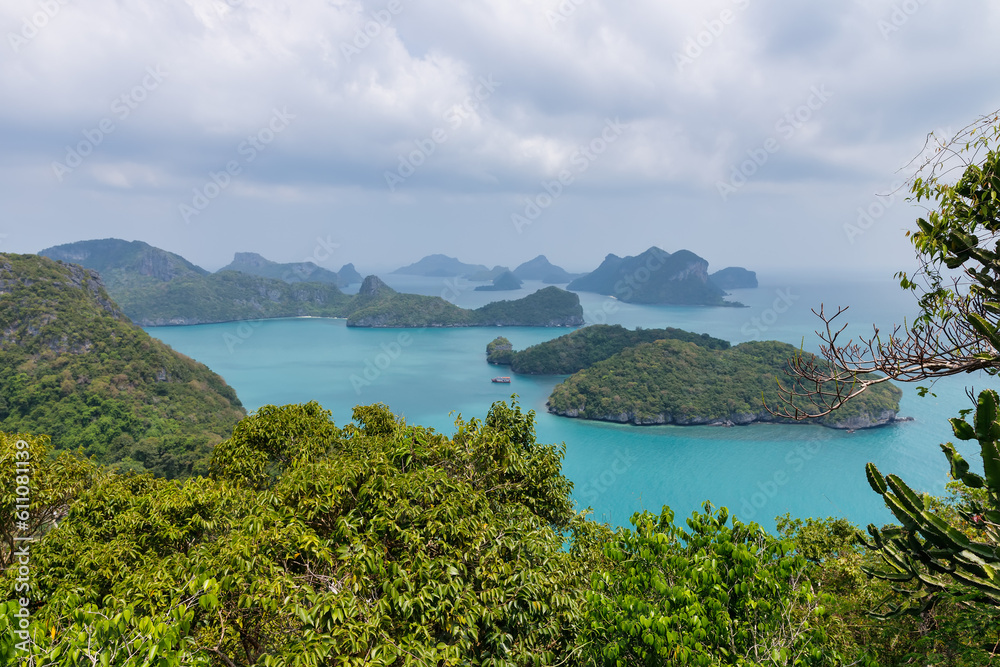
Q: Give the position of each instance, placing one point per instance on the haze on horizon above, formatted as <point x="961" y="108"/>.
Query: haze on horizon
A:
<point x="391" y="130"/>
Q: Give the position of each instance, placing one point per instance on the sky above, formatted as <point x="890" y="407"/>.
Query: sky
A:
<point x="757" y="133"/>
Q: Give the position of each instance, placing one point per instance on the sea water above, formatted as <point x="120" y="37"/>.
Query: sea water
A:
<point x="431" y="376"/>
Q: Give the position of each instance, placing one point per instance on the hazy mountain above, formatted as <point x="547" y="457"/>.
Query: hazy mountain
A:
<point x="654" y="277"/>
<point x="441" y="266"/>
<point x="505" y="282"/>
<point x="290" y="272"/>
<point x="540" y="268"/>
<point x="348" y="275"/>
<point x="490" y="274"/>
<point x="734" y="277"/>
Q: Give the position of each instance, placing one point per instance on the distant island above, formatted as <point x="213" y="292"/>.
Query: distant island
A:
<point x="505" y="282"/>
<point x="378" y="305"/>
<point x="442" y="266"/>
<point x="540" y="268"/>
<point x="292" y="272"/>
<point x="656" y="277"/>
<point x="734" y="277"/>
<point x="155" y="287"/>
<point x="74" y="367"/>
<point x="671" y="376"/>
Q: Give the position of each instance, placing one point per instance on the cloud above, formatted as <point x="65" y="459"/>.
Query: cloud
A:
<point x="700" y="88"/>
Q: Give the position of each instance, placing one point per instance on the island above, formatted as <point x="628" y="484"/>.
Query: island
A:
<point x="378" y="305"/>
<point x="443" y="266"/>
<point x="291" y="272"/>
<point x="505" y="282"/>
<point x="734" y="277"/>
<point x="540" y="268"/>
<point x="678" y="382"/>
<point x="585" y="347"/>
<point x="655" y="277"/>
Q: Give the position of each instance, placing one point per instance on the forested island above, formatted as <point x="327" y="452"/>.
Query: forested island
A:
<point x="659" y="277"/>
<point x="378" y="305"/>
<point x="670" y="376"/>
<point x="675" y="382"/>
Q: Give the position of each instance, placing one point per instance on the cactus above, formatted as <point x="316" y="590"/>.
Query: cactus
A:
<point x="925" y="550"/>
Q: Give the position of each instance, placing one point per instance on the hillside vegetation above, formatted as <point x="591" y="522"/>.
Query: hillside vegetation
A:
<point x="75" y="368"/>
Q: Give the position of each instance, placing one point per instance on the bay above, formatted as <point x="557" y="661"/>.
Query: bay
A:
<point x="430" y="376"/>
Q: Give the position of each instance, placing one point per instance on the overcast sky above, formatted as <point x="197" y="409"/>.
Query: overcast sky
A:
<point x="748" y="131"/>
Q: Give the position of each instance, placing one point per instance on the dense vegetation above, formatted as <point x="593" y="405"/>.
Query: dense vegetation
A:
<point x="657" y="277"/>
<point x="584" y="347"/>
<point x="676" y="382"/>
<point x="74" y="367"/>
<point x="378" y="305"/>
<point x="383" y="543"/>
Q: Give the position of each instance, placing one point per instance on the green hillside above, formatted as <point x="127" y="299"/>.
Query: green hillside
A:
<point x="74" y="367"/>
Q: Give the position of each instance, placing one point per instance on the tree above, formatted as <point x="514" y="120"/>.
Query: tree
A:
<point x="929" y="557"/>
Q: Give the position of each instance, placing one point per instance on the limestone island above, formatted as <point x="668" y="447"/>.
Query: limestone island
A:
<point x="378" y="305"/>
<point x="672" y="380"/>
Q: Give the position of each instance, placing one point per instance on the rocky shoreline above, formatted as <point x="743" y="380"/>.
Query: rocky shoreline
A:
<point x="855" y="423"/>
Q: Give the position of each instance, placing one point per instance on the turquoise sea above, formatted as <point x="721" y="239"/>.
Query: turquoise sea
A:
<point x="429" y="376"/>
